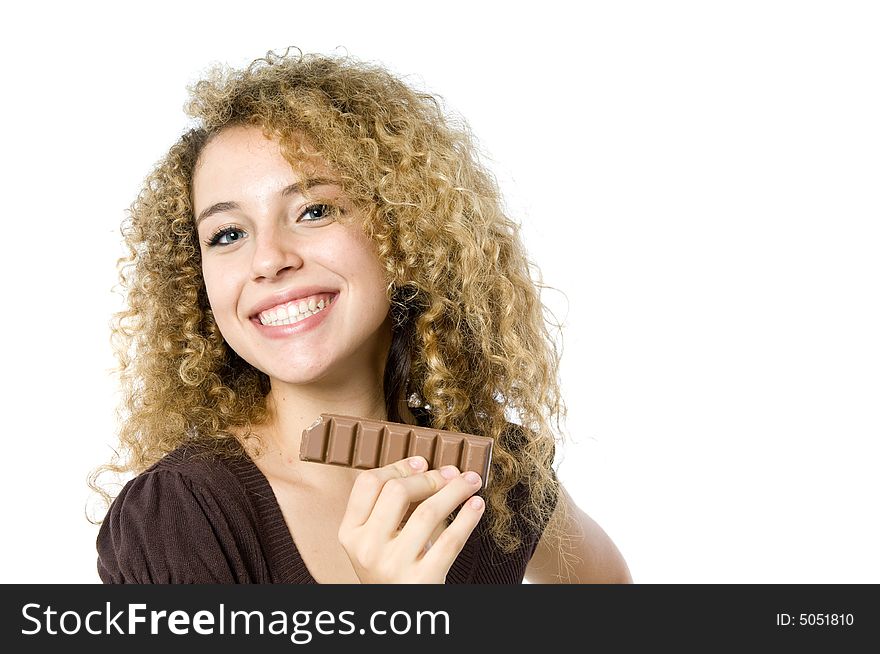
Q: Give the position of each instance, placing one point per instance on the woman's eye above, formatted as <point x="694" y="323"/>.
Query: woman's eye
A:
<point x="230" y="235"/>
<point x="226" y="231"/>
<point x="321" y="211"/>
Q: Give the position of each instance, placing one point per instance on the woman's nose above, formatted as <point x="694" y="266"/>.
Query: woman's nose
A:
<point x="272" y="255"/>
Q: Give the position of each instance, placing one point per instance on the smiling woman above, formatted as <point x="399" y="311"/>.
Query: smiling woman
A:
<point x="326" y="241"/>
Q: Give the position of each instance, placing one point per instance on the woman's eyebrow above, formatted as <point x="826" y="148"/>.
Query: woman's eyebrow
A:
<point x="296" y="188"/>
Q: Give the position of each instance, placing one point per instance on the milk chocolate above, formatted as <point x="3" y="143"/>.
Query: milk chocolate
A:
<point x="365" y="444"/>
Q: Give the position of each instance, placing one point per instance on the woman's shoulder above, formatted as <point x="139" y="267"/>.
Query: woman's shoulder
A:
<point x="188" y="501"/>
<point x="189" y="478"/>
<point x="197" y="463"/>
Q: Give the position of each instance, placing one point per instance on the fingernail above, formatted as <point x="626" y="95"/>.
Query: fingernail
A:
<point x="472" y="477"/>
<point x="417" y="463"/>
<point x="476" y="503"/>
<point x="448" y="472"/>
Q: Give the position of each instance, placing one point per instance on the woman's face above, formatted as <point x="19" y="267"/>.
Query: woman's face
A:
<point x="264" y="244"/>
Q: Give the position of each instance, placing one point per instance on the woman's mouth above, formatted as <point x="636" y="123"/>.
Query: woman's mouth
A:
<point x="295" y="317"/>
<point x="294" y="312"/>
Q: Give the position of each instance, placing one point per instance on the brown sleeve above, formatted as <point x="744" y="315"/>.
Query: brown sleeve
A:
<point x="166" y="528"/>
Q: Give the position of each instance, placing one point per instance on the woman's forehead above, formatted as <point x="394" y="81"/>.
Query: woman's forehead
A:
<point x="238" y="154"/>
<point x="252" y="142"/>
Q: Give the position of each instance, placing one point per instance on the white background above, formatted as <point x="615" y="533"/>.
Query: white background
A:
<point x="700" y="180"/>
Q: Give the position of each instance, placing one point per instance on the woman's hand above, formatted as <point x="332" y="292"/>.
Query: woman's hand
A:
<point x="381" y="552"/>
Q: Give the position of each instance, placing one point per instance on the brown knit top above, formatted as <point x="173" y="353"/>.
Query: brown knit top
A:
<point x="192" y="518"/>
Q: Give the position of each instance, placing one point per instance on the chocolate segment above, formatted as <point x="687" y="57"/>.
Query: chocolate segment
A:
<point x="365" y="444"/>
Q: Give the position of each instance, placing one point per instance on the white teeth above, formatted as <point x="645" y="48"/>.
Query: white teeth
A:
<point x="294" y="312"/>
<point x="275" y="321"/>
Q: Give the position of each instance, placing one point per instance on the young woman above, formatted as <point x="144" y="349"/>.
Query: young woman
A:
<point x="326" y="241"/>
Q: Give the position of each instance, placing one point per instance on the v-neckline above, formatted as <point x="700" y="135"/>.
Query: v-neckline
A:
<point x="284" y="560"/>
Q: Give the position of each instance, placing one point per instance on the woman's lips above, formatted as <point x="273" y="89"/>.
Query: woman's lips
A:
<point x="324" y="296"/>
<point x="283" y="331"/>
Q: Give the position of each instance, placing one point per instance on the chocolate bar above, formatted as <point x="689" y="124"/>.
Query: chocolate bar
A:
<point x="364" y="443"/>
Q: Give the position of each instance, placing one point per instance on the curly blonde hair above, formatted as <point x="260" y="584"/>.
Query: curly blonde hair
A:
<point x="469" y="332"/>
